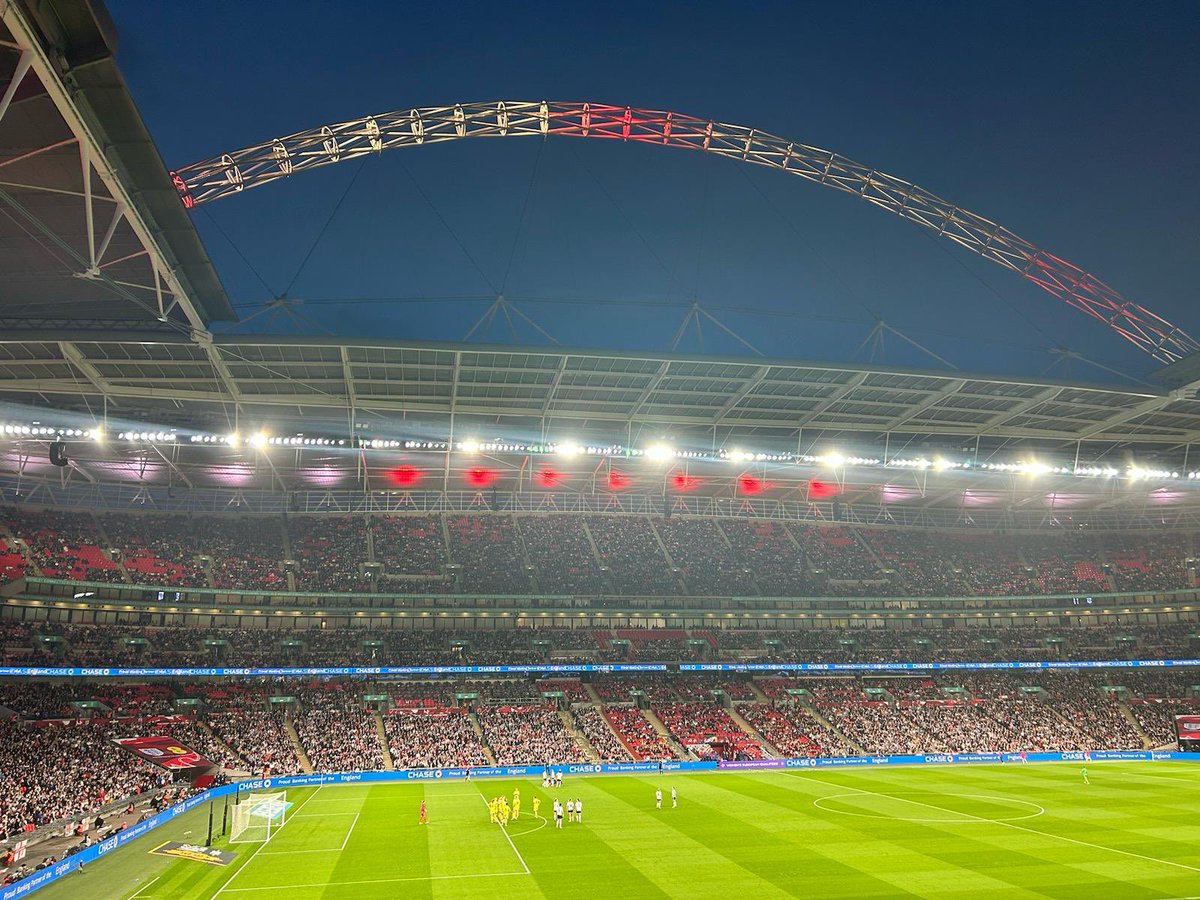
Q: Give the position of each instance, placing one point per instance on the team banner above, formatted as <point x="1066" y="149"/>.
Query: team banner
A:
<point x="1187" y="728"/>
<point x="195" y="852"/>
<point x="164" y="750"/>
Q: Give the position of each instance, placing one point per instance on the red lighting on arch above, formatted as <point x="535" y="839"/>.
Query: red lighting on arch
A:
<point x="682" y="481"/>
<point x="549" y="478"/>
<point x="405" y="476"/>
<point x="751" y="484"/>
<point x="478" y="476"/>
<point x="618" y="480"/>
<point x="821" y="490"/>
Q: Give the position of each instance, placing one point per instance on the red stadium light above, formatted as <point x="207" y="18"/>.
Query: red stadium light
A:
<point x="819" y="490"/>
<point x="549" y="478"/>
<point x="750" y="484"/>
<point x="618" y="480"/>
<point x="405" y="476"/>
<point x="480" y="477"/>
<point x="682" y="481"/>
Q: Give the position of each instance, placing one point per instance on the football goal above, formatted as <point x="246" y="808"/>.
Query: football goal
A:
<point x="257" y="816"/>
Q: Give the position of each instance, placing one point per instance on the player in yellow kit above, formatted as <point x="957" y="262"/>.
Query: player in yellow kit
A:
<point x="493" y="810"/>
<point x="537" y="801"/>
<point x="503" y="811"/>
<point x="516" y="807"/>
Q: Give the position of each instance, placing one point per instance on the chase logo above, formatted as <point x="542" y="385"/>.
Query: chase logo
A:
<point x="1073" y="756"/>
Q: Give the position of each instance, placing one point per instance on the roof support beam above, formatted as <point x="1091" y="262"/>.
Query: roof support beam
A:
<point x="932" y="400"/>
<point x="650" y="388"/>
<point x="1022" y="407"/>
<point x="171" y="464"/>
<point x="24" y="63"/>
<point x="76" y="358"/>
<point x="833" y="398"/>
<point x="348" y="378"/>
<point x="1148" y="406"/>
<point x="35" y="58"/>
<point x="553" y="389"/>
<point x="751" y="385"/>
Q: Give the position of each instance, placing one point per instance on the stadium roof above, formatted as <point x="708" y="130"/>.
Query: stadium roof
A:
<point x="108" y="295"/>
<point x="511" y="391"/>
<point x="114" y="246"/>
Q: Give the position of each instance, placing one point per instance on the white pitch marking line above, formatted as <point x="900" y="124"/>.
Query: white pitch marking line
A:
<point x="520" y="858"/>
<point x="1060" y="837"/>
<point x="282" y="887"/>
<point x="532" y="830"/>
<point x="258" y="849"/>
<point x="144" y="886"/>
<point x="349" y="832"/>
<point x="345" y="840"/>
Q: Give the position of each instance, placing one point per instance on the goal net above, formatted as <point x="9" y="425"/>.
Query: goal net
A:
<point x="258" y="816"/>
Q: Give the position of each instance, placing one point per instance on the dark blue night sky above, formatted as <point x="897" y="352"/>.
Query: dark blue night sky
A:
<point x="1075" y="125"/>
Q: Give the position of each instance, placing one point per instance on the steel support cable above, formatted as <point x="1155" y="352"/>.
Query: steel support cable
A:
<point x="233" y="172"/>
<point x="512" y="253"/>
<point x="324" y="228"/>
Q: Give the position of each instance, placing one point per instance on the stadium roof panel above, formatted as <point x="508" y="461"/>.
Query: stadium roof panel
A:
<point x="115" y="246"/>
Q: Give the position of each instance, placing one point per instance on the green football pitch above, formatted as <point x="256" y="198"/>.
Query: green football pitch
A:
<point x="968" y="832"/>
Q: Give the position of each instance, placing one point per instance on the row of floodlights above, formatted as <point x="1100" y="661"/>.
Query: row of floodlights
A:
<point x="660" y="451"/>
<point x="94" y="434"/>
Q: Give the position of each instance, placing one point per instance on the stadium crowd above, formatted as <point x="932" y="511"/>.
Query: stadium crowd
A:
<point x="572" y="554"/>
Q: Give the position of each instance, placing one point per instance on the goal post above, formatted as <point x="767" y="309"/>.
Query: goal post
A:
<point x="258" y="816"/>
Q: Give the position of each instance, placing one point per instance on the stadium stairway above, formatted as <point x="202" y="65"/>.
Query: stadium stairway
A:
<point x="620" y="740"/>
<point x="290" y="730"/>
<point x="106" y="542"/>
<point x="23" y="548"/>
<point x="1127" y="714"/>
<point x="578" y="736"/>
<point x="758" y="693"/>
<point x="487" y="750"/>
<point x="680" y="585"/>
<point x="525" y="560"/>
<point x="656" y="723"/>
<point x="600" y="563"/>
<point x="206" y="566"/>
<point x="752" y="732"/>
<point x="212" y="736"/>
<point x="381" y="736"/>
<point x="828" y="726"/>
<point x="595" y="698"/>
<point x="1067" y="723"/>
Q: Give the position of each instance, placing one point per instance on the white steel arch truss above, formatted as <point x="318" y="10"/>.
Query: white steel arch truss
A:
<point x="232" y="172"/>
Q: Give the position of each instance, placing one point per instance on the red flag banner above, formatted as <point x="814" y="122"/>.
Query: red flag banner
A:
<point x="164" y="750"/>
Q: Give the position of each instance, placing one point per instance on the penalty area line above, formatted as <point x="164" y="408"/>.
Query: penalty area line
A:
<point x="1047" y="834"/>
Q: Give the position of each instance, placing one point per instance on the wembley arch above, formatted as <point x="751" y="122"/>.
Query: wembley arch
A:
<point x="283" y="157"/>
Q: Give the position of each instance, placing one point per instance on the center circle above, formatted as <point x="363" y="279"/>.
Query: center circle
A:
<point x="929" y="812"/>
